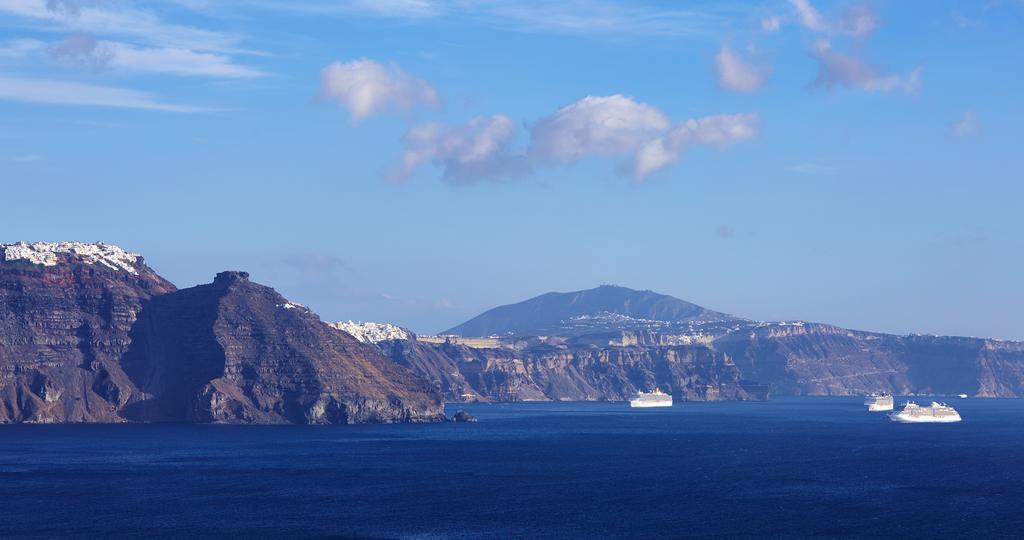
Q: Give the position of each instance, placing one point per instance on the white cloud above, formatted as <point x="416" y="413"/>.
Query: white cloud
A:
<point x="734" y="73"/>
<point x="478" y="149"/>
<point x="720" y="131"/>
<point x="966" y="126"/>
<point x="808" y="16"/>
<point x="838" y="69"/>
<point x="366" y="87"/>
<point x="607" y="125"/>
<point x="69" y="93"/>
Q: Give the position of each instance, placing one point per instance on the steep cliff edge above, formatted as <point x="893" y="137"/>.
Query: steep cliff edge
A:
<point x="66" y="310"/>
<point x="237" y="352"/>
<point x="824" y="360"/>
<point x="576" y="373"/>
<point x="89" y="333"/>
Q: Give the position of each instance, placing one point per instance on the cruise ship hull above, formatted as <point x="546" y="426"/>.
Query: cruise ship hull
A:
<point x="879" y="407"/>
<point x="641" y="404"/>
<point x="925" y="419"/>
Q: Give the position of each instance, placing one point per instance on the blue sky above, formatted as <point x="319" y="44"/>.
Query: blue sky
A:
<point x="418" y="161"/>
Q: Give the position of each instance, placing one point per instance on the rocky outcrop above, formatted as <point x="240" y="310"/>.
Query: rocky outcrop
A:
<point x="89" y="333"/>
<point x="237" y="352"/>
<point x="66" y="313"/>
<point x="573" y="373"/>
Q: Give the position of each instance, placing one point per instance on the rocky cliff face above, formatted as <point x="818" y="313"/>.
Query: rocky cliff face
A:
<point x="757" y="359"/>
<point x="818" y="359"/>
<point x="66" y="312"/>
<point x="575" y="373"/>
<point x="89" y="333"/>
<point x="238" y="352"/>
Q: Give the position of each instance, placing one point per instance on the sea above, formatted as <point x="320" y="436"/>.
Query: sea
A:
<point x="784" y="468"/>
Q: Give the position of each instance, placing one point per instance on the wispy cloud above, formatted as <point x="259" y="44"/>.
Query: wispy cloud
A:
<point x="599" y="17"/>
<point x="32" y="90"/>
<point x="725" y="231"/>
<point x="809" y="168"/>
<point x="115" y="19"/>
<point x="20" y="48"/>
<point x="966" y="126"/>
<point x="808" y="16"/>
<point x="27" y="158"/>
<point x="83" y="50"/>
<point x="615" y="126"/>
<point x="859" y="20"/>
<point x="121" y="37"/>
<point x="590" y="17"/>
<point x="405" y="9"/>
<point x="366" y="87"/>
<point x="720" y="131"/>
<point x="772" y="23"/>
<point x="839" y="69"/>
<point x="738" y="74"/>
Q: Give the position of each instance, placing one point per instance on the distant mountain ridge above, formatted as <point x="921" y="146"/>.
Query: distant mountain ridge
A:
<point x="551" y="312"/>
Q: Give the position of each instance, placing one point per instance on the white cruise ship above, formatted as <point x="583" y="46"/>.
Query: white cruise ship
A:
<point x="879" y="402"/>
<point x="657" y="398"/>
<point x="913" y="413"/>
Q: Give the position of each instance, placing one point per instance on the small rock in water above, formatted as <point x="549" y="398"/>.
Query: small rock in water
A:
<point x="463" y="416"/>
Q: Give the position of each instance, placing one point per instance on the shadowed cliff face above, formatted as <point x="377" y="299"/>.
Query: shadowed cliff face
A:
<point x="88" y="333"/>
<point x="63" y="330"/>
<point x="237" y="352"/>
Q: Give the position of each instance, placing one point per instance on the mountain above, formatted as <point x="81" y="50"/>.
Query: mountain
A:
<point x="238" y="352"/>
<point x="557" y="313"/>
<point x="66" y="313"/>
<point x="607" y="342"/>
<point x="89" y="333"/>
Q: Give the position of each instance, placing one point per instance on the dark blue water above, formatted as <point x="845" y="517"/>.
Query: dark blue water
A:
<point x="784" y="468"/>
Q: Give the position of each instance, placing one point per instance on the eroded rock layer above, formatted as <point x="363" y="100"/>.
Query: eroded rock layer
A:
<point x="64" y="326"/>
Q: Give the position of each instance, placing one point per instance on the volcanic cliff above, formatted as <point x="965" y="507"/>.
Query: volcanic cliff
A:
<point x="237" y="352"/>
<point x="89" y="333"/>
<point x="66" y="312"/>
<point x="607" y="342"/>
